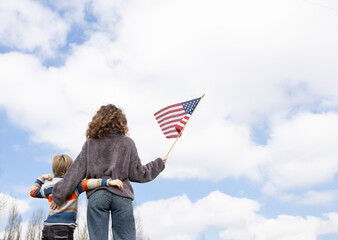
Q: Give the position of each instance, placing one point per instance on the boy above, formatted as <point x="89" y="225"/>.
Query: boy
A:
<point x="61" y="222"/>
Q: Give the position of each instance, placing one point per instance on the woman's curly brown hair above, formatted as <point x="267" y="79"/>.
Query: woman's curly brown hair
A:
<point x="107" y="119"/>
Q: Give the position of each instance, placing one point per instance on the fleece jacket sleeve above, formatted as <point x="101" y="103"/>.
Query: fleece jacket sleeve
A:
<point x="74" y="175"/>
<point x="143" y="173"/>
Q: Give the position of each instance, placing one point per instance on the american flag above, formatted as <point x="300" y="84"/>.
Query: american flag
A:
<point x="173" y="118"/>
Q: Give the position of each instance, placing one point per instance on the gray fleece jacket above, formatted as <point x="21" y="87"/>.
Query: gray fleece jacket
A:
<point x="114" y="156"/>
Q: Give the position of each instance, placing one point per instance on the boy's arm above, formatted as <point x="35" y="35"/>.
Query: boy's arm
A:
<point x="94" y="183"/>
<point x="38" y="190"/>
<point x="88" y="184"/>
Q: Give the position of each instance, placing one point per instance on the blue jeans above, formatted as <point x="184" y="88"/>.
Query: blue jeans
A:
<point x="102" y="203"/>
<point x="57" y="232"/>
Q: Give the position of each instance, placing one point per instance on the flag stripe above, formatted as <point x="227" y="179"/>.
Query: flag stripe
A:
<point x="179" y="127"/>
<point x="164" y="109"/>
<point x="172" y="130"/>
<point x="176" y="116"/>
<point x="170" y="121"/>
<point x="168" y="127"/>
<point x="170" y="112"/>
<point x="171" y="127"/>
<point x="174" y="122"/>
<point x="172" y="135"/>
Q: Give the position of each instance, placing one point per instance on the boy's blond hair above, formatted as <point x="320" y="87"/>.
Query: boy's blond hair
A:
<point x="60" y="164"/>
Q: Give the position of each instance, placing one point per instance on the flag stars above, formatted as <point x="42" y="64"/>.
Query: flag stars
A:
<point x="190" y="105"/>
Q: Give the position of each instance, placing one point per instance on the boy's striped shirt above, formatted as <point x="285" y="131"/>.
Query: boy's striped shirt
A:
<point x="66" y="214"/>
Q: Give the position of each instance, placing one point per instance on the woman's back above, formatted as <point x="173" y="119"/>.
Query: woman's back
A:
<point x="108" y="153"/>
<point x="115" y="156"/>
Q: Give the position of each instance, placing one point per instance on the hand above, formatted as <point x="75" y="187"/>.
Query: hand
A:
<point x="118" y="183"/>
<point x="53" y="205"/>
<point x="47" y="177"/>
<point x="165" y="159"/>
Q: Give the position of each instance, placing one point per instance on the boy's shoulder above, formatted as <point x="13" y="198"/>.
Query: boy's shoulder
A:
<point x="51" y="184"/>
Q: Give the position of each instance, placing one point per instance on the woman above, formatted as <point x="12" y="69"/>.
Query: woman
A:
<point x="108" y="153"/>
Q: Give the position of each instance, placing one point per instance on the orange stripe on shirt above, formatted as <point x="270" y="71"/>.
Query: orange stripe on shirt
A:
<point x="84" y="185"/>
<point x="32" y="193"/>
<point x="72" y="197"/>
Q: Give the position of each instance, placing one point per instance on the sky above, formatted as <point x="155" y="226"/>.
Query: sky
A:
<point x="258" y="159"/>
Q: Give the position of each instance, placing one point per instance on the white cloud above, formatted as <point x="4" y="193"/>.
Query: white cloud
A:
<point x="28" y="26"/>
<point x="238" y="218"/>
<point x="302" y="152"/>
<point x="230" y="49"/>
<point x="72" y="11"/>
<point x="216" y="209"/>
<point x="6" y="202"/>
<point x="319" y="197"/>
<point x="253" y="63"/>
<point x="225" y="150"/>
